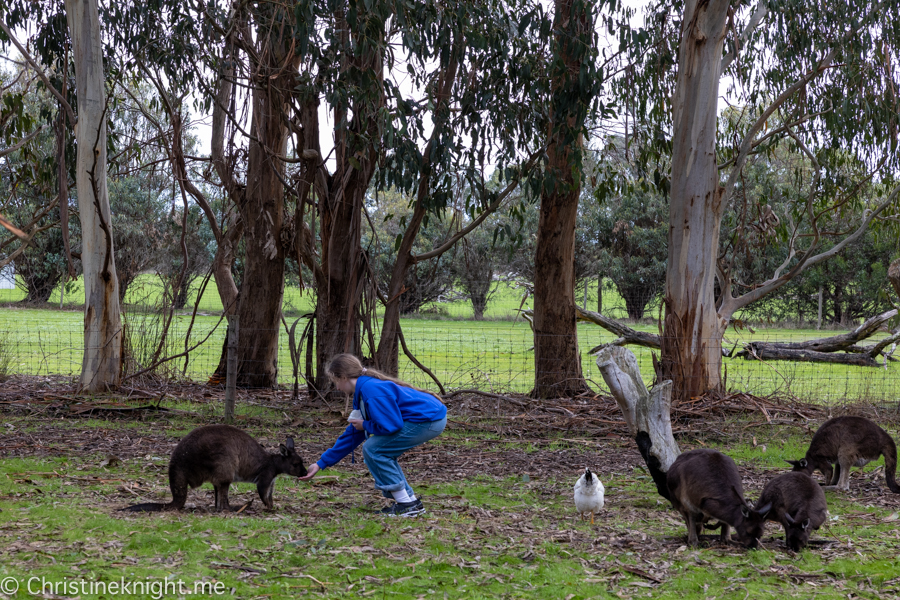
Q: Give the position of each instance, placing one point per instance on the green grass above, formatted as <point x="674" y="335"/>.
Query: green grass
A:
<point x="492" y="355"/>
<point x="488" y="355"/>
<point x="486" y="536"/>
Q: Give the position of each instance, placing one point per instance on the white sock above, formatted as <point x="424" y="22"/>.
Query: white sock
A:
<point x="403" y="496"/>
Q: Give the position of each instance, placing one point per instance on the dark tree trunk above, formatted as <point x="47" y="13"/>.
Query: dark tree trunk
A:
<point x="343" y="275"/>
<point x="262" y="213"/>
<point x="556" y="356"/>
<point x="479" y="304"/>
<point x="894" y="276"/>
<point x="41" y="288"/>
<point x="180" y="293"/>
<point x="338" y="297"/>
<point x="599" y="294"/>
<point x="636" y="299"/>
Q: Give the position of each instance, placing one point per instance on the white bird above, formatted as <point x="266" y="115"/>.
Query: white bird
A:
<point x="588" y="494"/>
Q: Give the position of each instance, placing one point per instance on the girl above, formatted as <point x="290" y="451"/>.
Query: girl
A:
<point x="395" y="418"/>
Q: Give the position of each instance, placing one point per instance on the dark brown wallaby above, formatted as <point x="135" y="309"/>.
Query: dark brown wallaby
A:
<point x="798" y="503"/>
<point x="705" y="484"/>
<point x="848" y="442"/>
<point x="221" y="454"/>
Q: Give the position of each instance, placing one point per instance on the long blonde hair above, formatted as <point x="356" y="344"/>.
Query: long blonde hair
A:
<point x="347" y="365"/>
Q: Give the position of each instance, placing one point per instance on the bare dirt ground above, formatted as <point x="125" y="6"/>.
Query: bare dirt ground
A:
<point x="532" y="439"/>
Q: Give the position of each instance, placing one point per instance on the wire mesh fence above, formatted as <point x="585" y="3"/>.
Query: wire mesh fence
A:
<point x="492" y="355"/>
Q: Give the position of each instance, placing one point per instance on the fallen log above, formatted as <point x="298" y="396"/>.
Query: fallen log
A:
<point x="822" y="350"/>
<point x="764" y="351"/>
<point x="837" y="343"/>
<point x="627" y="335"/>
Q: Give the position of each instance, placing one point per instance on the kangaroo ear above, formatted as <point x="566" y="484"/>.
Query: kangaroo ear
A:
<point x="788" y="518"/>
<point x="803" y="463"/>
<point x="764" y="510"/>
<point x="793" y="463"/>
<point x="805" y="524"/>
<point x="745" y="510"/>
<point x="289" y="443"/>
<point x="284" y="450"/>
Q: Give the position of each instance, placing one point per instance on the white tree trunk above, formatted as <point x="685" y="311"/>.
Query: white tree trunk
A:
<point x="646" y="413"/>
<point x="102" y="361"/>
<point x="692" y="338"/>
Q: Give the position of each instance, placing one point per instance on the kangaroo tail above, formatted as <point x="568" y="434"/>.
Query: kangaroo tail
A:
<point x="890" y="465"/>
<point x="147" y="507"/>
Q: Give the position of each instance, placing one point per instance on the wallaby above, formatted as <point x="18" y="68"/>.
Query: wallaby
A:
<point x="221" y="454"/>
<point x="798" y="503"/>
<point x="848" y="442"/>
<point x="704" y="484"/>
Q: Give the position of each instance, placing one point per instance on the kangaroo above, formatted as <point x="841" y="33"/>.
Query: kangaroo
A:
<point x="848" y="442"/>
<point x="221" y="454"/>
<point x="798" y="503"/>
<point x="705" y="484"/>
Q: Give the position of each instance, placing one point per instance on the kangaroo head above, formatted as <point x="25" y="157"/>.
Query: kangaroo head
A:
<point x="796" y="533"/>
<point x="801" y="465"/>
<point x="293" y="463"/>
<point x="750" y="529"/>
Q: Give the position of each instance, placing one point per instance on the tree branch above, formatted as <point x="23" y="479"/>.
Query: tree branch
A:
<point x="73" y="120"/>
<point x="761" y="10"/>
<point x="22" y="142"/>
<point x="484" y="214"/>
<point x="733" y="305"/>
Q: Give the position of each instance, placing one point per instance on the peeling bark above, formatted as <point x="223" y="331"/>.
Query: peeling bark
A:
<point x="101" y="366"/>
<point x="692" y="339"/>
<point x="262" y="211"/>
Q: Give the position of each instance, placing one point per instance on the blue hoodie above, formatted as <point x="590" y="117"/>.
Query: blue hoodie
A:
<point x="385" y="407"/>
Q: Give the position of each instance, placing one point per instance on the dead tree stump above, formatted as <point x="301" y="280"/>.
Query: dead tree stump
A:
<point x="647" y="413"/>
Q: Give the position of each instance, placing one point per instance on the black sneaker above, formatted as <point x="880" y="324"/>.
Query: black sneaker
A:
<point x="404" y="509"/>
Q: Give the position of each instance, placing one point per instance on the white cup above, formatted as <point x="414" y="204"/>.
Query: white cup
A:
<point x="355" y="415"/>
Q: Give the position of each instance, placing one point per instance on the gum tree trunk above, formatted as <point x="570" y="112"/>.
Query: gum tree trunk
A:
<point x="342" y="278"/>
<point x="557" y="359"/>
<point x="262" y="213"/>
<point x="692" y="336"/>
<point x="101" y="366"/>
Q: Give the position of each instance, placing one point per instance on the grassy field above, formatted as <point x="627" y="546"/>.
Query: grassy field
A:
<point x="500" y="521"/>
<point x="491" y="355"/>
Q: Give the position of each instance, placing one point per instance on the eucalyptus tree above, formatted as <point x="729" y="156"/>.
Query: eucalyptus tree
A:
<point x="823" y="68"/>
<point x="578" y="70"/>
<point x="137" y="221"/>
<point x="28" y="185"/>
<point x="102" y="357"/>
<point x="389" y="213"/>
<point x="270" y="74"/>
<point x="466" y="107"/>
<point x="632" y="237"/>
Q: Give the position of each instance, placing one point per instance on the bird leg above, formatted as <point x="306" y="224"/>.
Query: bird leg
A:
<point x="592" y="517"/>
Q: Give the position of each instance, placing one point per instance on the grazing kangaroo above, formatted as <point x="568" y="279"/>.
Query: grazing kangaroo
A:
<point x="705" y="484"/>
<point x="221" y="454"/>
<point x="848" y="442"/>
<point x="798" y="503"/>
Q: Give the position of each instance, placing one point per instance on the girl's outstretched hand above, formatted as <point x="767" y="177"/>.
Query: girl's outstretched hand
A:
<point x="310" y="472"/>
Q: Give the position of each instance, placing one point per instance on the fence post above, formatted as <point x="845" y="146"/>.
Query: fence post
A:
<point x="819" y="321"/>
<point x="231" y="368"/>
